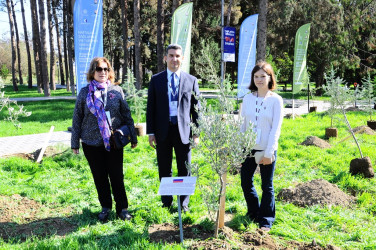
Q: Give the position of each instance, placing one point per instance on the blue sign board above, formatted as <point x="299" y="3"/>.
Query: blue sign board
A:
<point x="229" y="34"/>
<point x="88" y="36"/>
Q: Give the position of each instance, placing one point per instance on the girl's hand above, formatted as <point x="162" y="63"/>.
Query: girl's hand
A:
<point x="266" y="161"/>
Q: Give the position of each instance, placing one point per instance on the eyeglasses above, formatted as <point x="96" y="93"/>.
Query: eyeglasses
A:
<point x="100" y="69"/>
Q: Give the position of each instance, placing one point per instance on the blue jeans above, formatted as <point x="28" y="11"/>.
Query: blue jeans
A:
<point x="264" y="212"/>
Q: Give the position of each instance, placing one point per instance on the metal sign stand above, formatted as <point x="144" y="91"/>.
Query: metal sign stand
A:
<point x="180" y="220"/>
<point x="178" y="186"/>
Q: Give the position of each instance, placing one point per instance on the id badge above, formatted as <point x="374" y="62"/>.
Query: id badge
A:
<point x="258" y="137"/>
<point x="108" y="114"/>
<point x="173" y="108"/>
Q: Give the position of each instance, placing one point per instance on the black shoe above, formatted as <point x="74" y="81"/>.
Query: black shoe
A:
<point x="124" y="215"/>
<point x="103" y="216"/>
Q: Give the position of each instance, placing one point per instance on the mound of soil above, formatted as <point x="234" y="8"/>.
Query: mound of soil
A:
<point x="367" y="130"/>
<point x="315" y="192"/>
<point x="315" y="141"/>
<point x="289" y="116"/>
<point x="20" y="218"/>
<point x="352" y="108"/>
<point x="362" y="166"/>
<point x="169" y="233"/>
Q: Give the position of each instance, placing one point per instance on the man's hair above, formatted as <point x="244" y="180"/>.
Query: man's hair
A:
<point x="173" y="46"/>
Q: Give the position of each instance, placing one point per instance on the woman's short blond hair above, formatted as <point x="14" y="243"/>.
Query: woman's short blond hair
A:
<point x="94" y="63"/>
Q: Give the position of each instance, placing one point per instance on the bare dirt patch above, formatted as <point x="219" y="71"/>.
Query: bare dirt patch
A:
<point x="315" y="192"/>
<point x="20" y="218"/>
<point x="50" y="151"/>
<point x="169" y="233"/>
<point x="315" y="141"/>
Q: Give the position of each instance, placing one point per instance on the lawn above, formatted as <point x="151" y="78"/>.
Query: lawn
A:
<point x="63" y="188"/>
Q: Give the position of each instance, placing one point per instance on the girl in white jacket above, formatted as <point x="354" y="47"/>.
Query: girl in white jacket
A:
<point x="262" y="108"/>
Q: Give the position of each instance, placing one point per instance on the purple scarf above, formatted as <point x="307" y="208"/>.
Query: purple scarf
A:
<point x="96" y="106"/>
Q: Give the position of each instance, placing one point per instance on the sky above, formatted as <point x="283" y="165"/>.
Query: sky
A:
<point x="4" y="21"/>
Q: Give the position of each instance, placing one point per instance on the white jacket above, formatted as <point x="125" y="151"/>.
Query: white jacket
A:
<point x="269" y="121"/>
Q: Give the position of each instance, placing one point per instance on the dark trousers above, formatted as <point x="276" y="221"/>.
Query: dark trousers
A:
<point x="264" y="212"/>
<point x="164" y="158"/>
<point x="107" y="170"/>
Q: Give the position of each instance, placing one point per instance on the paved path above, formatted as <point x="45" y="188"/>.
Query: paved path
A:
<point x="30" y="143"/>
<point x="42" y="98"/>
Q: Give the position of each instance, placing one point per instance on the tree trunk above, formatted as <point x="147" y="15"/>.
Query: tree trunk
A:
<point x="175" y="4"/>
<point x="62" y="79"/>
<point x="137" y="44"/>
<point x="320" y="78"/>
<point x="36" y="43"/>
<point x="43" y="47"/>
<point x="160" y="35"/>
<point x="262" y="29"/>
<point x="70" y="50"/>
<point x="124" y="22"/>
<point x="52" y="47"/>
<point x="11" y="24"/>
<point x="17" y="44"/>
<point x="107" y="35"/>
<point x="29" y="67"/>
<point x="65" y="39"/>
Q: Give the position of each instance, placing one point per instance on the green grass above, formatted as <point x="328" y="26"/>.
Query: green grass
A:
<point x="24" y="91"/>
<point x="65" y="182"/>
<point x="45" y="114"/>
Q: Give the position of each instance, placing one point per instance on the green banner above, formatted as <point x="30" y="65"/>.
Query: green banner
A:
<point x="181" y="27"/>
<point x="300" y="76"/>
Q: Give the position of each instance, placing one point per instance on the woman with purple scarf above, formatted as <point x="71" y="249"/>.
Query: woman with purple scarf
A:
<point x="100" y="107"/>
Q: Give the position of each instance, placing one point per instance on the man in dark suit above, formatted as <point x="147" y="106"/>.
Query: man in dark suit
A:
<point x="171" y="107"/>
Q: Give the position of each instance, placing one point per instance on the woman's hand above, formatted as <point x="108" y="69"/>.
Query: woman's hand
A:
<point x="266" y="161"/>
<point x="133" y="145"/>
<point x="76" y="151"/>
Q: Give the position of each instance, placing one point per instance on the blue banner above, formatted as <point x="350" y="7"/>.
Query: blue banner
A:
<point x="247" y="53"/>
<point x="88" y="36"/>
<point x="229" y="34"/>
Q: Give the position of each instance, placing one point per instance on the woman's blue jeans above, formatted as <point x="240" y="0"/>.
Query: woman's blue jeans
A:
<point x="264" y="212"/>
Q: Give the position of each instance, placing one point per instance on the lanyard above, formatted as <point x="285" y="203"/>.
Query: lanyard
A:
<point x="258" y="108"/>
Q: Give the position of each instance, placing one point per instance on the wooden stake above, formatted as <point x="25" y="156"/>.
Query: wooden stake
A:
<point x="45" y="144"/>
<point x="347" y="137"/>
<point x="222" y="205"/>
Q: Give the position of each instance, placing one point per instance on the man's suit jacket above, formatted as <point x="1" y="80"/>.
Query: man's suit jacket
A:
<point x="157" y="113"/>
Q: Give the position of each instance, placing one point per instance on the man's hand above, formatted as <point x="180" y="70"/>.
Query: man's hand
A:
<point x="196" y="140"/>
<point x="152" y="141"/>
<point x="75" y="151"/>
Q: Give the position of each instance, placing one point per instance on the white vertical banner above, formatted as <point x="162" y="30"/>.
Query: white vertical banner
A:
<point x="247" y="53"/>
<point x="181" y="29"/>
